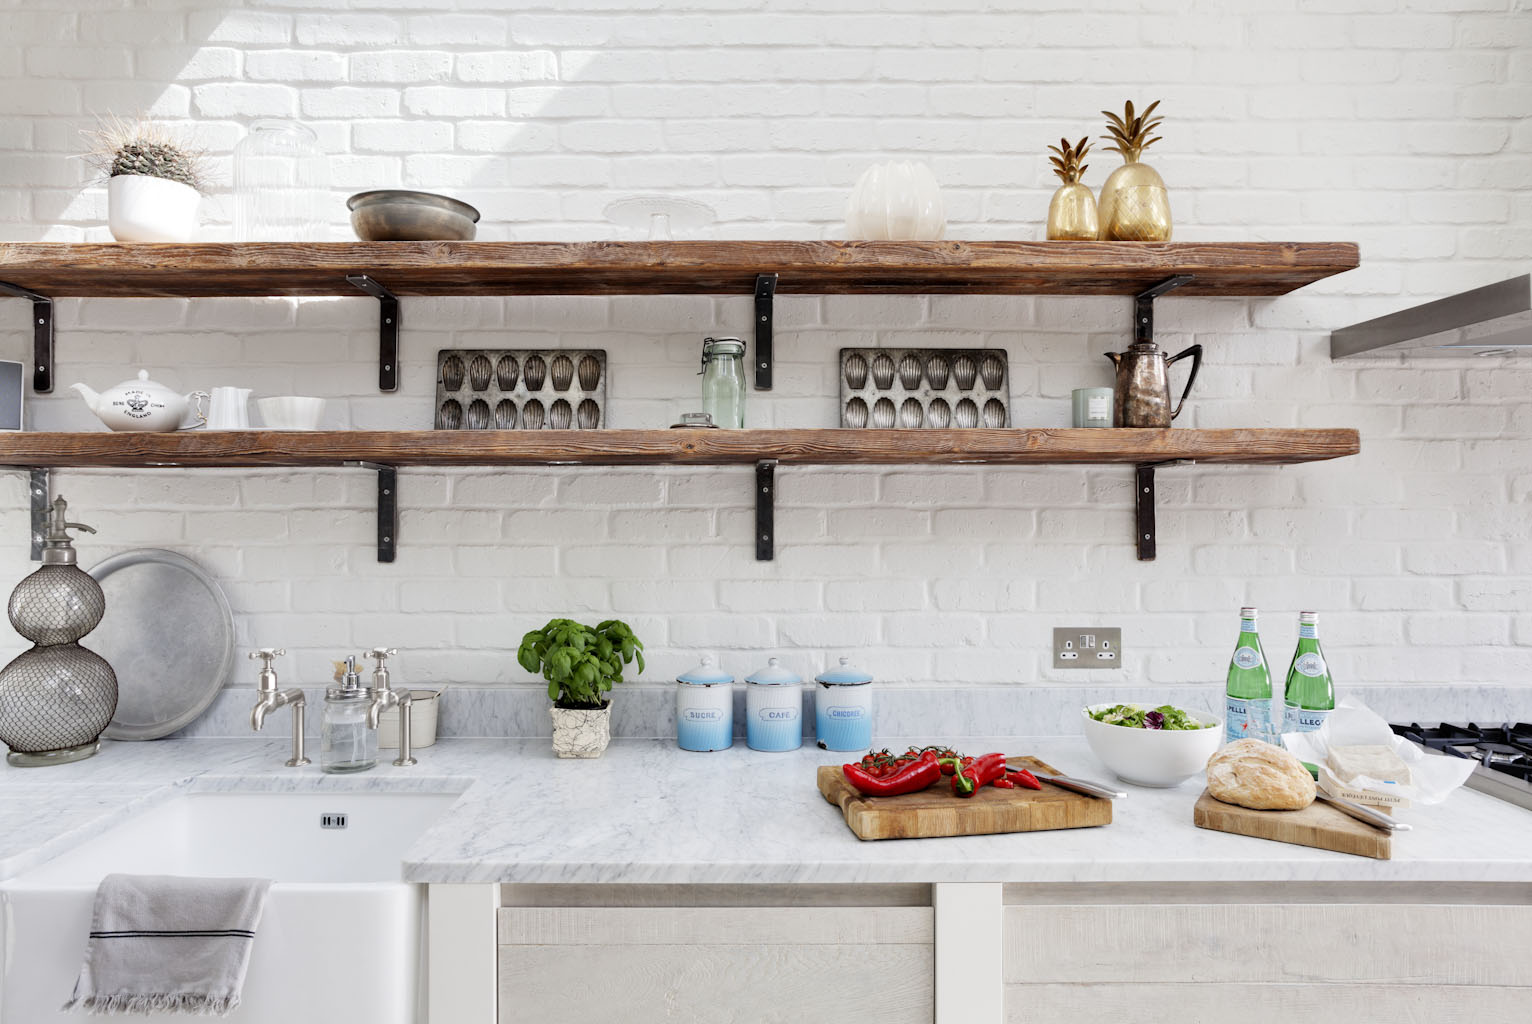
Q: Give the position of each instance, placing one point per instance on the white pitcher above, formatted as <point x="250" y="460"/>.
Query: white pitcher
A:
<point x="229" y="409"/>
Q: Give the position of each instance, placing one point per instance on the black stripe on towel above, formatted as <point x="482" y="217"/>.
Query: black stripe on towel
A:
<point x="239" y="933"/>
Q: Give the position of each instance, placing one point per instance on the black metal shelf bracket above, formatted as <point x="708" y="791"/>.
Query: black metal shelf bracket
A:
<point x="1143" y="511"/>
<point x="38" y="494"/>
<point x="1143" y="308"/>
<point x="388" y="330"/>
<point x="42" y="336"/>
<point x="388" y="508"/>
<point x="765" y="293"/>
<point x="1143" y="505"/>
<point x="765" y="510"/>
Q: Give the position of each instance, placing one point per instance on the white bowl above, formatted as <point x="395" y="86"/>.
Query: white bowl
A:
<point x="290" y="412"/>
<point x="1158" y="758"/>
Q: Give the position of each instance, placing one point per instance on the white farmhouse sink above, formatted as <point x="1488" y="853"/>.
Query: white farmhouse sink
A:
<point x="340" y="939"/>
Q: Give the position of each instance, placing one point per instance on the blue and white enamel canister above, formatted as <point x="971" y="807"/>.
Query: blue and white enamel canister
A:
<point x="774" y="708"/>
<point x="843" y="708"/>
<point x="705" y="708"/>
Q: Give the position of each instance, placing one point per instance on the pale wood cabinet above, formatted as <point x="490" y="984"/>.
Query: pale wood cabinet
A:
<point x="762" y="958"/>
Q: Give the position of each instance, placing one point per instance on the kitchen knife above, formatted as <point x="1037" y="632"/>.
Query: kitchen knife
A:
<point x="1094" y="789"/>
<point x="1360" y="813"/>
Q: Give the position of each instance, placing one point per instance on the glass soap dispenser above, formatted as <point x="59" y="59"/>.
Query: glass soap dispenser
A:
<point x="346" y="742"/>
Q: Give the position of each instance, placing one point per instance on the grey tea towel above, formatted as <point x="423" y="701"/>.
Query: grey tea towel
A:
<point x="164" y="944"/>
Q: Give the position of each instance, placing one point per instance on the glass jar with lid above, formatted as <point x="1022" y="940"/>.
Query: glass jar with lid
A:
<point x="346" y="742"/>
<point x="280" y="184"/>
<point x="723" y="381"/>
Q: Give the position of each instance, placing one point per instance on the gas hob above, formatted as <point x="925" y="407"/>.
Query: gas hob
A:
<point x="1504" y="753"/>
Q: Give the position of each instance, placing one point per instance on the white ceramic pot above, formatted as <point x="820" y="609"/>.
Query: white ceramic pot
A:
<point x="422" y="721"/>
<point x="581" y="732"/>
<point x="290" y="412"/>
<point x="896" y="202"/>
<point x="1157" y="758"/>
<point x="145" y="209"/>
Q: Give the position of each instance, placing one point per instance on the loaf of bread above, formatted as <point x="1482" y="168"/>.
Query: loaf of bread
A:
<point x="1251" y="773"/>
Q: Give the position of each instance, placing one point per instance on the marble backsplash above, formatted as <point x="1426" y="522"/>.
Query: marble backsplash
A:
<point x="648" y="711"/>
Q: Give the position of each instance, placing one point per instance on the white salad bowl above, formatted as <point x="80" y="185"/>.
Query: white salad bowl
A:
<point x="1158" y="758"/>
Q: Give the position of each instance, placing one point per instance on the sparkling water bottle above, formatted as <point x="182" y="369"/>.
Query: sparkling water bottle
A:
<point x="1248" y="701"/>
<point x="1310" y="695"/>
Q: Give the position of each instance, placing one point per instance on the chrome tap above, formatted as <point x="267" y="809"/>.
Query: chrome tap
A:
<point x="384" y="697"/>
<point x="270" y="698"/>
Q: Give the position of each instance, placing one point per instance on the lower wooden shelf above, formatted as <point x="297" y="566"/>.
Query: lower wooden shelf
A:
<point x="386" y="450"/>
<point x="1026" y="446"/>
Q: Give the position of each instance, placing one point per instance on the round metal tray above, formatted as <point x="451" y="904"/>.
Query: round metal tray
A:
<point x="168" y="633"/>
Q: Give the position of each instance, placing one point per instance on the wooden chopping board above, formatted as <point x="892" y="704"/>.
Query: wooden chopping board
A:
<point x="1318" y="825"/>
<point x="937" y="812"/>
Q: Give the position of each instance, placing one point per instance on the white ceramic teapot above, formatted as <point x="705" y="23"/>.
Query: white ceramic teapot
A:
<point x="143" y="404"/>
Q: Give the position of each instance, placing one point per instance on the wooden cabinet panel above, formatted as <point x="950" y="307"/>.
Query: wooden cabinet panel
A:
<point x="752" y="965"/>
<point x="1263" y="1004"/>
<point x="1440" y="945"/>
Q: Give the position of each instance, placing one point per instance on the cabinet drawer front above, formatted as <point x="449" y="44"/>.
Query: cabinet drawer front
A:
<point x="763" y="926"/>
<point x="757" y="964"/>
<point x="1149" y="944"/>
<point x="1263" y="1004"/>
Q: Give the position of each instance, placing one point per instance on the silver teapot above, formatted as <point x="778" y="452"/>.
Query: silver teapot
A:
<point x="1141" y="397"/>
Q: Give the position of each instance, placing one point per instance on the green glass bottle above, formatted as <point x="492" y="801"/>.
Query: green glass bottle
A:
<point x="1310" y="695"/>
<point x="1247" y="691"/>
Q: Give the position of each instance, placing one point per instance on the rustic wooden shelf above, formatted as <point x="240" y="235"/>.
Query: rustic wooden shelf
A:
<point x="1013" y="447"/>
<point x="384" y="451"/>
<point x="130" y="270"/>
<point x="44" y="271"/>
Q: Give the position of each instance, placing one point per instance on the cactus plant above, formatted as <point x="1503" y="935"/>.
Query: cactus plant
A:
<point x="119" y="146"/>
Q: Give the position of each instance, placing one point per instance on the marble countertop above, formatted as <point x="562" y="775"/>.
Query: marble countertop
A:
<point x="648" y="812"/>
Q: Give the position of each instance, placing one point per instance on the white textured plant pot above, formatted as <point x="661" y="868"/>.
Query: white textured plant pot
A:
<point x="144" y="209"/>
<point x="581" y="733"/>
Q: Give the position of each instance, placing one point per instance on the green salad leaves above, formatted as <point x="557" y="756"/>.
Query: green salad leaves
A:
<point x="1166" y="716"/>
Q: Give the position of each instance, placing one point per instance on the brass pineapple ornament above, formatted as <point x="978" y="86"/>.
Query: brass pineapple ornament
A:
<point x="1072" y="212"/>
<point x="1134" y="206"/>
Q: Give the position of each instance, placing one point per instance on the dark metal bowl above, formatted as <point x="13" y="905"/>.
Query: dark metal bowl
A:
<point x="401" y="215"/>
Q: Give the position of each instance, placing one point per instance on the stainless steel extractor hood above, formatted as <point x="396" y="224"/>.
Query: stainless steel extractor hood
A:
<point x="1495" y="320"/>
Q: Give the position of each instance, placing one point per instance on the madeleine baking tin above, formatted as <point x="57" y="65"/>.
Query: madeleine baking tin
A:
<point x="520" y="389"/>
<point x="924" y="387"/>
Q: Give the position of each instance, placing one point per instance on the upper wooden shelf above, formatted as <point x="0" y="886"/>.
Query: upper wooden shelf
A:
<point x="67" y="270"/>
<point x="671" y="447"/>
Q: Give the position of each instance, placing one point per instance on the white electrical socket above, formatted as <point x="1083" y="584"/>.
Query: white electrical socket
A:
<point x="1087" y="647"/>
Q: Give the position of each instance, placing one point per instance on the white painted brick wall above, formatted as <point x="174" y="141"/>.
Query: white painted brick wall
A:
<point x="1400" y="124"/>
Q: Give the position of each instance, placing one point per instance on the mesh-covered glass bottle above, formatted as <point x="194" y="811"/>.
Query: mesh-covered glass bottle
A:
<point x="57" y="698"/>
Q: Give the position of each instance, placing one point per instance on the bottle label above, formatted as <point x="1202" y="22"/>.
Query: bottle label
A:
<point x="1247" y="657"/>
<point x="1245" y="719"/>
<point x="1247" y="625"/>
<point x="1304" y="719"/>
<point x="1308" y="631"/>
<point x="1311" y="665"/>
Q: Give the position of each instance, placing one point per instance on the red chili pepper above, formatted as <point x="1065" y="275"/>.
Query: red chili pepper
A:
<point x="981" y="772"/>
<point x="914" y="777"/>
<point x="1023" y="778"/>
<point x="1004" y="784"/>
